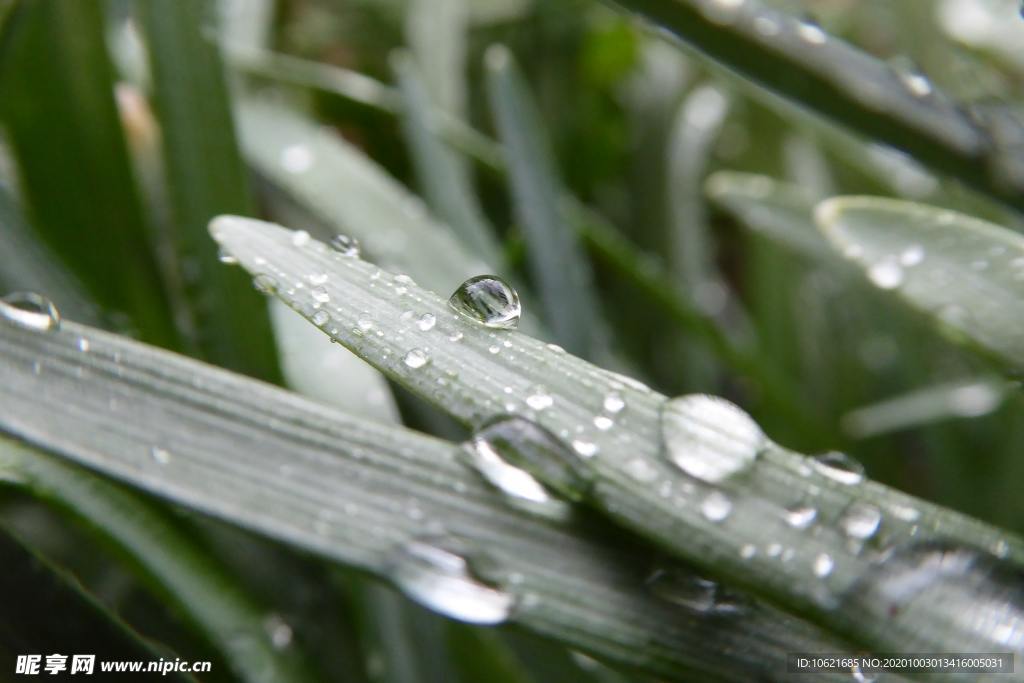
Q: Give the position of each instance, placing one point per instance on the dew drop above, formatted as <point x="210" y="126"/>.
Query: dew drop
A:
<point x="509" y="479"/>
<point x="226" y="257"/>
<point x="603" y="422"/>
<point x="264" y="284"/>
<point x="641" y="470"/>
<point x="839" y="467"/>
<point x="278" y="630"/>
<point x="160" y="456"/>
<point x="860" y="521"/>
<point x="586" y="449"/>
<point x="823" y="565"/>
<point x="320" y="295"/>
<point x="800" y="516"/>
<point x="317" y="278"/>
<point x="708" y="437"/>
<point x="320" y="318"/>
<point x="810" y="31"/>
<point x="886" y="274"/>
<point x="345" y="245"/>
<point x="416" y="358"/>
<point x="296" y="159"/>
<point x="682" y="588"/>
<point x="426" y="322"/>
<point x="300" y="238"/>
<point x="524" y="443"/>
<point x="489" y="300"/>
<point x="912" y="256"/>
<point x="84" y="345"/>
<point x="434" y="572"/>
<point x="30" y="310"/>
<point x="614" y="403"/>
<point x="539" y="399"/>
<point x="716" y="506"/>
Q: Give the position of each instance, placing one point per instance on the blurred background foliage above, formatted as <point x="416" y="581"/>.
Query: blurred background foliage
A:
<point x="617" y="213"/>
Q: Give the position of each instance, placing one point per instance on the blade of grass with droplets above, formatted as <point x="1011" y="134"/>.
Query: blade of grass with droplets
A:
<point x="442" y="173"/>
<point x="965" y="273"/>
<point x="197" y="585"/>
<point x="73" y="168"/>
<point x="206" y="177"/>
<point x="735" y="528"/>
<point x="561" y="272"/>
<point x="33" y="589"/>
<point x="354" y="491"/>
<point x="799" y="61"/>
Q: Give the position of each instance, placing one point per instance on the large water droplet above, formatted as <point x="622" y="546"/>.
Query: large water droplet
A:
<point x="30" y="310"/>
<point x="489" y="300"/>
<point x="839" y="467"/>
<point x="426" y="322"/>
<point x="860" y="521"/>
<point x="708" y="437"/>
<point x="957" y="590"/>
<point x="416" y="358"/>
<point x="160" y="456"/>
<point x="434" y="572"/>
<point x="226" y="257"/>
<point x="321" y="318"/>
<point x="690" y="590"/>
<point x="345" y="245"/>
<point x="509" y="479"/>
<point x="809" y="30"/>
<point x="524" y="443"/>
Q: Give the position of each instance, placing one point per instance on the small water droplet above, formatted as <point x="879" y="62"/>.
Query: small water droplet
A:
<point x="226" y="257"/>
<point x="160" y="456"/>
<point x="603" y="422"/>
<point x="860" y="521"/>
<point x="524" y="443"/>
<point x="30" y="310"/>
<point x="300" y="238"/>
<point x="278" y="630"/>
<point x="320" y="318"/>
<point x="586" y="449"/>
<point x="489" y="300"/>
<point x="912" y="256"/>
<point x="708" y="437"/>
<point x="839" y="467"/>
<point x="518" y="484"/>
<point x="435" y="573"/>
<point x="539" y="399"/>
<point x="426" y="322"/>
<point x="83" y="345"/>
<point x="320" y="295"/>
<point x="345" y="245"/>
<point x="886" y="274"/>
<point x="690" y="590"/>
<point x="716" y="506"/>
<point x="823" y="565"/>
<point x="641" y="470"/>
<point x="748" y="550"/>
<point x="800" y="516"/>
<point x="296" y="158"/>
<point x="416" y="358"/>
<point x="264" y="284"/>
<point x="317" y="278"/>
<point x="614" y="403"/>
<point x="916" y="82"/>
<point x="810" y="31"/>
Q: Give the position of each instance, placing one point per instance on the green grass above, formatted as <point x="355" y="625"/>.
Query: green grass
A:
<point x="739" y="204"/>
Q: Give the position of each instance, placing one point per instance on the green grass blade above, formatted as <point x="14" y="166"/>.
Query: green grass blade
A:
<point x="442" y="173"/>
<point x="167" y="556"/>
<point x="559" y="265"/>
<point x="34" y="591"/>
<point x="626" y="460"/>
<point x="965" y="273"/>
<point x="206" y="177"/>
<point x="351" y="490"/>
<point x="801" y="62"/>
<point x="75" y="177"/>
<point x="436" y="33"/>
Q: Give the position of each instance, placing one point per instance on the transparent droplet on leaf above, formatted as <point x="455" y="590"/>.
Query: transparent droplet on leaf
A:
<point x="226" y="257"/>
<point x="345" y="245"/>
<point x="426" y="322"/>
<point x="524" y="443"/>
<point x="613" y="403"/>
<point x="435" y="573"/>
<point x="708" y="437"/>
<point x="30" y="310"/>
<point x="800" y="516"/>
<point x="716" y="506"/>
<point x="300" y="238"/>
<point x="489" y="300"/>
<point x="264" y="284"/>
<point x="839" y="467"/>
<point x="860" y="520"/>
<point x="539" y="399"/>
<point x="159" y="455"/>
<point x="321" y="318"/>
<point x="823" y="565"/>
<point x="416" y="358"/>
<point x="509" y="479"/>
<point x="692" y="591"/>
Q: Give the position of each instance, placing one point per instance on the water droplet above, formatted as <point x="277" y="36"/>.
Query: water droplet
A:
<point x="539" y="399"/>
<point x="912" y="255"/>
<point x="614" y="403"/>
<point x="426" y="322"/>
<point x="300" y="238"/>
<point x="226" y="257"/>
<point x="489" y="300"/>
<point x="160" y="456"/>
<point x="800" y="516"/>
<point x="83" y="345"/>
<point x="860" y="521"/>
<point x="886" y="274"/>
<point x="687" y="589"/>
<point x="810" y="31"/>
<point x="586" y="449"/>
<point x="320" y="295"/>
<point x="416" y="358"/>
<point x="30" y="310"/>
<point x="916" y="82"/>
<point x="321" y="318"/>
<point x="603" y="422"/>
<point x="345" y="245"/>
<point x="264" y="284"/>
<point x="977" y="597"/>
<point x="823" y="565"/>
<point x="509" y="479"/>
<point x="839" y="467"/>
<point x="748" y="551"/>
<point x="435" y="573"/>
<point x="317" y="278"/>
<point x="716" y="506"/>
<point x="296" y="158"/>
<point x="708" y="437"/>
<point x="278" y="630"/>
<point x="455" y="336"/>
<point x="524" y="443"/>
